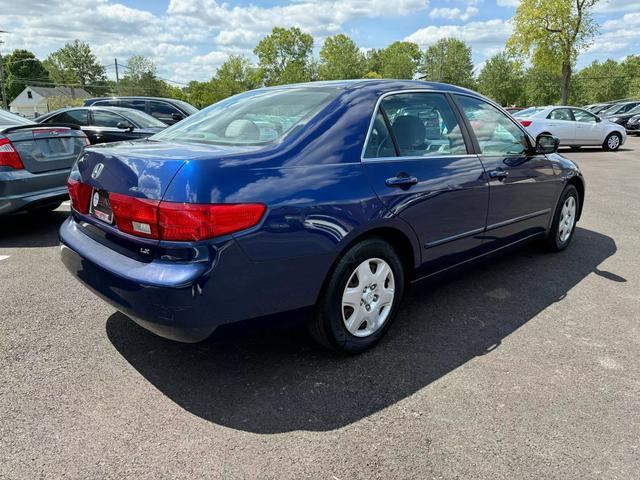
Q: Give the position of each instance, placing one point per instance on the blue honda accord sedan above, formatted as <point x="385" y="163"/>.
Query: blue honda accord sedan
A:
<point x="335" y="195"/>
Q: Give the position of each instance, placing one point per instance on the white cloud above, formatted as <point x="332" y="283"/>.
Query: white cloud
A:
<point x="617" y="6"/>
<point x="508" y="3"/>
<point x="454" y="13"/>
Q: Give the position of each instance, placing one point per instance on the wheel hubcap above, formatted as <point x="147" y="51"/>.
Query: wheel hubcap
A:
<point x="567" y="219"/>
<point x="614" y="141"/>
<point x="368" y="297"/>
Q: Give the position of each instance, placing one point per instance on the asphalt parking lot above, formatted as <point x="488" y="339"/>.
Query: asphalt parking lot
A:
<point x="524" y="367"/>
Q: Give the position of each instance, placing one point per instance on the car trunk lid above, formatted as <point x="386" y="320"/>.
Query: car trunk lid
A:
<point x="46" y="148"/>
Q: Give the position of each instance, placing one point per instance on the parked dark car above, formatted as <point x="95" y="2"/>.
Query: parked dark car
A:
<point x="619" y="109"/>
<point x="597" y="108"/>
<point x="623" y="118"/>
<point x="106" y="124"/>
<point x="327" y="195"/>
<point x="167" y="110"/>
<point x="633" y="125"/>
<point x="35" y="161"/>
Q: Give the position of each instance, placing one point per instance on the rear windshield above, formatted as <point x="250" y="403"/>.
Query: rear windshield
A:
<point x="7" y="118"/>
<point x="257" y="117"/>
<point x="144" y="120"/>
<point x="527" y="112"/>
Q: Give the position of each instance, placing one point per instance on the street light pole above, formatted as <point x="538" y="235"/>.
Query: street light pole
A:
<point x="3" y="87"/>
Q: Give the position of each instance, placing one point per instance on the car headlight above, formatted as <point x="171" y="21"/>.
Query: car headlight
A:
<point x="614" y="119"/>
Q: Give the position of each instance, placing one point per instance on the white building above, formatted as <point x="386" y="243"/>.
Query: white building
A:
<point x="33" y="101"/>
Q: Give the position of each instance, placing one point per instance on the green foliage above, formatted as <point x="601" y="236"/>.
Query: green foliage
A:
<point x="541" y="87"/>
<point x="631" y="69"/>
<point x="600" y="82"/>
<point x="552" y="33"/>
<point x="449" y="61"/>
<point x="502" y="79"/>
<point x="284" y="56"/>
<point x="75" y="63"/>
<point x="340" y="59"/>
<point x="22" y="68"/>
<point x="140" y="78"/>
<point x="399" y="60"/>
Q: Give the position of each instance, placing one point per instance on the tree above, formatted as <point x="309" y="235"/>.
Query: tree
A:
<point x="340" y="58"/>
<point x="631" y="71"/>
<point x="23" y="68"/>
<point x="140" y="78"/>
<point x="235" y="75"/>
<point x="373" y="63"/>
<point x="599" y="82"/>
<point x="541" y="86"/>
<point x="399" y="60"/>
<point x="284" y="56"/>
<point x="75" y="63"/>
<point x="502" y="79"/>
<point x="449" y="61"/>
<point x="552" y="33"/>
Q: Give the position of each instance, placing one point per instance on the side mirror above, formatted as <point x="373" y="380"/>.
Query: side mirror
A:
<point x="547" y="144"/>
<point x="177" y="116"/>
<point x="598" y="119"/>
<point x="124" y="125"/>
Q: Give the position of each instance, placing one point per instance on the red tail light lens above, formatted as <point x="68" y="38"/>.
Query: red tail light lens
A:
<point x="181" y="221"/>
<point x="80" y="195"/>
<point x="525" y="123"/>
<point x="190" y="222"/>
<point x="135" y="216"/>
<point x="9" y="157"/>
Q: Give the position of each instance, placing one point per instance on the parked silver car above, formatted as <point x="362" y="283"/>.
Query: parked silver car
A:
<point x="35" y="161"/>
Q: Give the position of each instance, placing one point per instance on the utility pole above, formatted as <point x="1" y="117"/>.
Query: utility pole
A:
<point x="117" y="79"/>
<point x="3" y="87"/>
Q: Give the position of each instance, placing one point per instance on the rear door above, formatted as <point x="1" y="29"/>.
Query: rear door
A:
<point x="418" y="164"/>
<point x="560" y="124"/>
<point x="523" y="185"/>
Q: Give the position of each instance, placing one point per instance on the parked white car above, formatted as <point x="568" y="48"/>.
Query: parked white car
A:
<point x="574" y="127"/>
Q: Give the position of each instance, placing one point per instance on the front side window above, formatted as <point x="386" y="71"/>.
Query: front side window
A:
<point x="257" y="117"/>
<point x="162" y="110"/>
<point x="143" y="120"/>
<point x="107" y="103"/>
<point x="560" y="114"/>
<point x="106" y="119"/>
<point x="496" y="133"/>
<point x="75" y="117"/>
<point x="583" y="116"/>
<point x="423" y="125"/>
<point x="135" y="104"/>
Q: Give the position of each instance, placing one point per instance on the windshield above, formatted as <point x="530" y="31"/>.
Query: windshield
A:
<point x="527" y="112"/>
<point x="144" y="120"/>
<point x="615" y="109"/>
<point x="7" y="118"/>
<point x="634" y="111"/>
<point x="256" y="117"/>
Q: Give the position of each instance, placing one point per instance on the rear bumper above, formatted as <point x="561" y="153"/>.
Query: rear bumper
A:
<point x="21" y="189"/>
<point x="186" y="301"/>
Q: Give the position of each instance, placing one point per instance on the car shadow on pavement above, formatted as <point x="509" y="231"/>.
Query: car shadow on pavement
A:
<point x="264" y="377"/>
<point x="27" y="230"/>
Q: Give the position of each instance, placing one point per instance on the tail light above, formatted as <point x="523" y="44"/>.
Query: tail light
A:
<point x="9" y="157"/>
<point x="80" y="195"/>
<point x="525" y="123"/>
<point x="181" y="221"/>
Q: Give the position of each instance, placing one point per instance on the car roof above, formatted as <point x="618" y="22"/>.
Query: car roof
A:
<point x="131" y="97"/>
<point x="375" y="84"/>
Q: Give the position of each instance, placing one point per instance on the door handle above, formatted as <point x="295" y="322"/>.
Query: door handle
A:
<point x="500" y="174"/>
<point x="402" y="181"/>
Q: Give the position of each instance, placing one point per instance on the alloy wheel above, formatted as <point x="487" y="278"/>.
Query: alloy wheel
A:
<point x="567" y="219"/>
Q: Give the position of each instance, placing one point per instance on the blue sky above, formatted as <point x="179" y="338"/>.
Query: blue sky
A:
<point x="189" y="39"/>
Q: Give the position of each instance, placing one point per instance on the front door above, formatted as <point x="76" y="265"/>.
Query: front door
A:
<point x="589" y="130"/>
<point x="523" y="184"/>
<point x="418" y="164"/>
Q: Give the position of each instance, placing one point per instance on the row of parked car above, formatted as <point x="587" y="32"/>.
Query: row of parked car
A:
<point x="625" y="113"/>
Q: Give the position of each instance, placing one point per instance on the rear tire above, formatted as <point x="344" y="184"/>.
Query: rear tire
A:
<point x="360" y="299"/>
<point x="564" y="220"/>
<point x="612" y="142"/>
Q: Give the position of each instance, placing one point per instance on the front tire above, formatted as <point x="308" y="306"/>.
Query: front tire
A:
<point x="360" y="299"/>
<point x="612" y="142"/>
<point x="564" y="220"/>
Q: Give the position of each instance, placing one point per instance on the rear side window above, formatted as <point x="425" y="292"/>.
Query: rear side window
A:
<point x="583" y="116"/>
<point x="135" y="104"/>
<point x="560" y="114"/>
<point x="380" y="143"/>
<point x="106" y="119"/>
<point x="496" y="133"/>
<point x="75" y="117"/>
<point x="423" y="125"/>
<point x="107" y="103"/>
